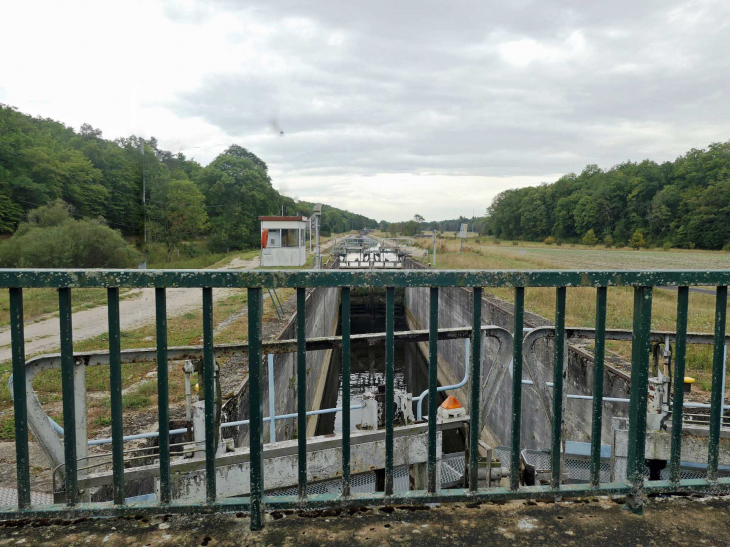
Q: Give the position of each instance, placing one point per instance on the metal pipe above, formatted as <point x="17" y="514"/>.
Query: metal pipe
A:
<point x="422" y="396"/>
<point x="272" y="424"/>
<point x="293" y="415"/>
<point x="188" y="392"/>
<point x="419" y="399"/>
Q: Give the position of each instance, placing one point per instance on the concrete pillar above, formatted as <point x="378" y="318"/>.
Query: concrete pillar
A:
<point x="419" y="475"/>
<point x="199" y="428"/>
<point x="82" y="441"/>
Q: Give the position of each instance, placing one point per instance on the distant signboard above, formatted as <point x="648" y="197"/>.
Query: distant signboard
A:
<point x="464" y="229"/>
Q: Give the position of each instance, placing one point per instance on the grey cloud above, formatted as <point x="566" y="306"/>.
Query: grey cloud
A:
<point x="424" y="86"/>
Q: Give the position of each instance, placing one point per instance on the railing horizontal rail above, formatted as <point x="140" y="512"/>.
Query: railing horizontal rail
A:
<point x="72" y="278"/>
<point x="243" y="503"/>
<point x="180" y="353"/>
<point x="210" y="453"/>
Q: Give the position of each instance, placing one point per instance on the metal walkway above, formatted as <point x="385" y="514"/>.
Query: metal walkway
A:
<point x="452" y="471"/>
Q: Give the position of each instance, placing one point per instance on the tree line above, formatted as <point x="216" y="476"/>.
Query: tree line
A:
<point x="418" y="224"/>
<point x="42" y="161"/>
<point x="684" y="203"/>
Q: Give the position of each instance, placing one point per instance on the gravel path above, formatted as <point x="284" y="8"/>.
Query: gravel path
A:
<point x="137" y="309"/>
<point x="134" y="311"/>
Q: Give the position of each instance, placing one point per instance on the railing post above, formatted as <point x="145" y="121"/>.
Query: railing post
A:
<point x="433" y="349"/>
<point x="163" y="393"/>
<point x="559" y="370"/>
<point x="115" y="383"/>
<point x="680" y="352"/>
<point x="639" y="385"/>
<point x="302" y="390"/>
<point x="211" y="433"/>
<point x="345" y="391"/>
<point x="256" y="405"/>
<point x="68" y="391"/>
<point x="599" y="354"/>
<point x="717" y="396"/>
<point x="519" y="314"/>
<point x="476" y="384"/>
<point x="20" y="401"/>
<point x="389" y="387"/>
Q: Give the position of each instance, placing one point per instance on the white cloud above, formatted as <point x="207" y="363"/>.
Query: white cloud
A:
<point x="521" y="53"/>
<point x="385" y="107"/>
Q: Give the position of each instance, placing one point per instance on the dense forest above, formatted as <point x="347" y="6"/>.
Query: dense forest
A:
<point x="684" y="203"/>
<point x="42" y="161"/>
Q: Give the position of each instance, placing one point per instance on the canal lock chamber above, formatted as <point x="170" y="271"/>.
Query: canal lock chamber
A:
<point x="367" y="364"/>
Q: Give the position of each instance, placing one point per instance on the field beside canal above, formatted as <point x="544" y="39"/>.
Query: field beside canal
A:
<point x="484" y="253"/>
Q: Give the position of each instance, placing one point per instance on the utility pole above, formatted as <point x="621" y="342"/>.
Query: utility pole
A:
<point x="144" y="201"/>
<point x="316" y="213"/>
<point x="433" y="262"/>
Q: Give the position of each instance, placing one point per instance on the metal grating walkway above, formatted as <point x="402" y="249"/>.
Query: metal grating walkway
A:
<point x="9" y="496"/>
<point x="452" y="470"/>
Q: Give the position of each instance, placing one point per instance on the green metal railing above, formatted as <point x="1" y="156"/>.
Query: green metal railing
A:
<point x="254" y="281"/>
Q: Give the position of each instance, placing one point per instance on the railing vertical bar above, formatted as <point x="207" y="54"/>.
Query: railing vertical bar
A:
<point x="599" y="354"/>
<point x="476" y="383"/>
<point x="635" y="381"/>
<point x="67" y="388"/>
<point x="345" y="391"/>
<point x="163" y="393"/>
<point x="209" y="390"/>
<point x="558" y="378"/>
<point x="302" y="389"/>
<point x="680" y="353"/>
<point x="717" y="396"/>
<point x="115" y="383"/>
<point x="519" y="315"/>
<point x="20" y="401"/>
<point x="433" y="326"/>
<point x="389" y="396"/>
<point x="639" y="384"/>
<point x="256" y="405"/>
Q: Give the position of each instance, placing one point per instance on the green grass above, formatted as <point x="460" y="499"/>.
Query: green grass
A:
<point x="134" y="401"/>
<point x="102" y="421"/>
<point x="580" y="305"/>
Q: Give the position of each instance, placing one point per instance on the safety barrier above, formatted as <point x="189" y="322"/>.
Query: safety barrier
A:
<point x="254" y="281"/>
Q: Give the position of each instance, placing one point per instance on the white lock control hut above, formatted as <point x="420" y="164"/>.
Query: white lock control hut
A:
<point x="283" y="241"/>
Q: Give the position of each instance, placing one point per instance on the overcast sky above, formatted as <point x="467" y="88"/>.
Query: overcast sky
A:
<point x="388" y="108"/>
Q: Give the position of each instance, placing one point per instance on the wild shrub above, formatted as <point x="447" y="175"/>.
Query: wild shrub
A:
<point x="53" y="239"/>
<point x="637" y="240"/>
<point x="549" y="240"/>
<point x="590" y="238"/>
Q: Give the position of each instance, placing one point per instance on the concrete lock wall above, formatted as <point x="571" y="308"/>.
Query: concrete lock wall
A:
<point x="455" y="310"/>
<point x="322" y="315"/>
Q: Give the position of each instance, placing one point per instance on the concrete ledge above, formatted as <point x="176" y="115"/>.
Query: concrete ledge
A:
<point x="595" y="521"/>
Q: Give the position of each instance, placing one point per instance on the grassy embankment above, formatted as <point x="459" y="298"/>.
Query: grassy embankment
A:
<point x="483" y="253"/>
<point x="182" y="330"/>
